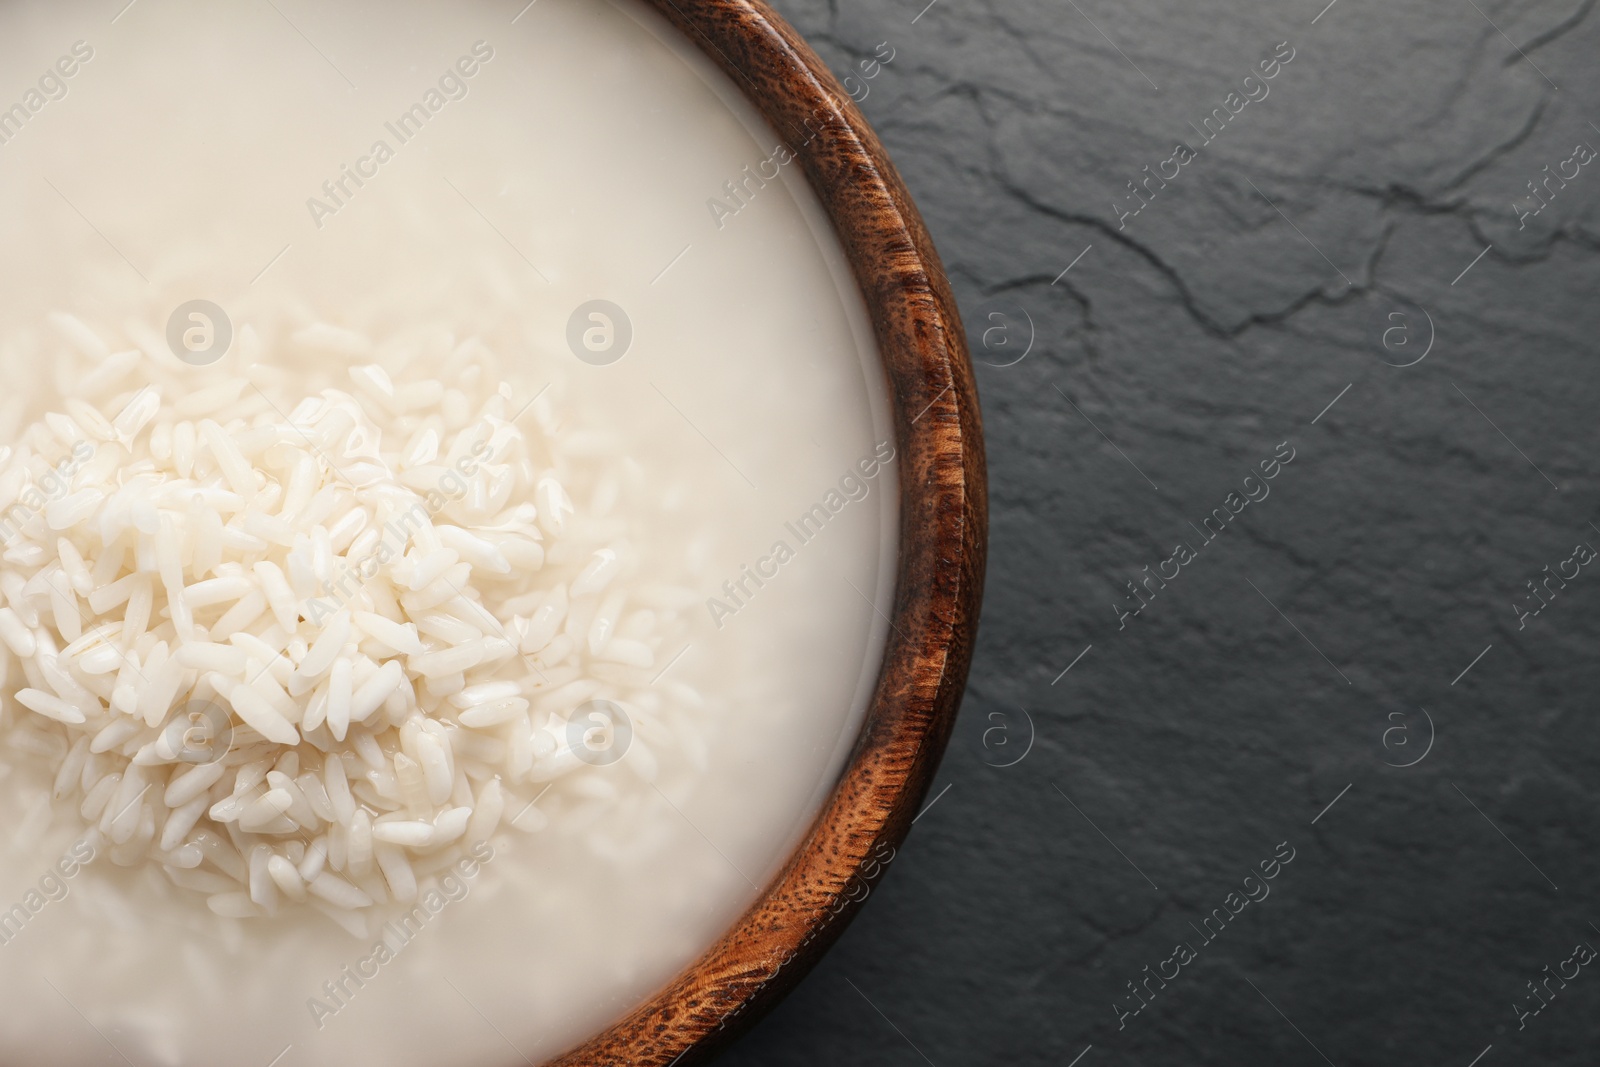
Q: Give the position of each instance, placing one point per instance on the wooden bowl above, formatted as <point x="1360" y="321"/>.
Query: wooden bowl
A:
<point x="939" y="586"/>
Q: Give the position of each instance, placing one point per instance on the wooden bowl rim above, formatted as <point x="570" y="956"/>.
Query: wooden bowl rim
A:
<point x="939" y="579"/>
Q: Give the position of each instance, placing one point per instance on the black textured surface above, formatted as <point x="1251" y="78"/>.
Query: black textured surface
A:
<point x="1289" y="663"/>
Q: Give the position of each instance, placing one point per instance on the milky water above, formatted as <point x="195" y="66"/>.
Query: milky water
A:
<point x="201" y="151"/>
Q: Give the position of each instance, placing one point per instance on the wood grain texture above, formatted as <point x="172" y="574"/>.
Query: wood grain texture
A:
<point x="939" y="586"/>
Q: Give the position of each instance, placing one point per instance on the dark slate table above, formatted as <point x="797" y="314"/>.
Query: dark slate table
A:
<point x="1378" y="662"/>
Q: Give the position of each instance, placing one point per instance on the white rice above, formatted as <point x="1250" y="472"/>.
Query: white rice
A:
<point x="382" y="599"/>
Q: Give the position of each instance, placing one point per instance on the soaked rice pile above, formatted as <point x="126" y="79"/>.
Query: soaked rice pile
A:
<point x="296" y="647"/>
